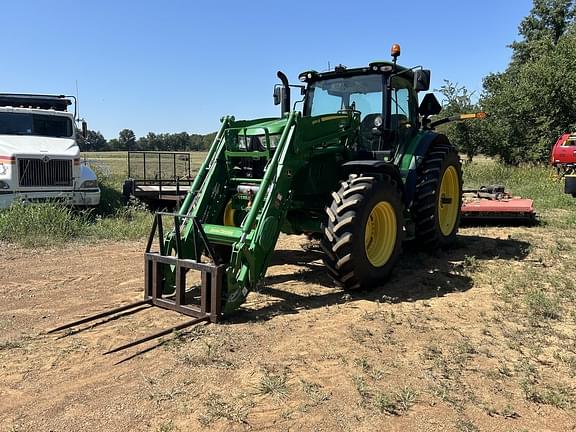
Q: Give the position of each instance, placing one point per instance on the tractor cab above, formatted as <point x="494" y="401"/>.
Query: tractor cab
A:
<point x="383" y="97"/>
<point x="387" y="107"/>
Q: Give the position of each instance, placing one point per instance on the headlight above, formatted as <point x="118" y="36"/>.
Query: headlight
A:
<point x="89" y="184"/>
<point x="245" y="142"/>
<point x="274" y="140"/>
<point x="4" y="185"/>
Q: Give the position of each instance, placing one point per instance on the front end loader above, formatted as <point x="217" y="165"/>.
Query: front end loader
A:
<point x="358" y="166"/>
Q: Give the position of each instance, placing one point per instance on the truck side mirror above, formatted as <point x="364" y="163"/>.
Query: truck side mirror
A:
<point x="422" y="80"/>
<point x="277" y="95"/>
<point x="84" y="129"/>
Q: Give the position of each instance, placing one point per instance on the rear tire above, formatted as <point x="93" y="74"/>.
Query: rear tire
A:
<point x="438" y="198"/>
<point x="364" y="231"/>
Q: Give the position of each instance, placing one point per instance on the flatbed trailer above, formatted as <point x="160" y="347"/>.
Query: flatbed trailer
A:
<point x="158" y="177"/>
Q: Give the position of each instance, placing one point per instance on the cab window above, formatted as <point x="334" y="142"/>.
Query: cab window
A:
<point x="570" y="142"/>
<point x="402" y="111"/>
<point x="367" y="103"/>
<point x="362" y="92"/>
<point x="324" y="102"/>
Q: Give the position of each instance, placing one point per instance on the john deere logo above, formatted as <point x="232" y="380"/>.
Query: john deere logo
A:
<point x="45" y="159"/>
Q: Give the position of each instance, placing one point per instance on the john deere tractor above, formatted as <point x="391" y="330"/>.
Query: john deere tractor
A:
<point x="359" y="166"/>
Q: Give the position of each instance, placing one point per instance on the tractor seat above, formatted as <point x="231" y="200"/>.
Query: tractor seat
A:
<point x="398" y="120"/>
<point x="366" y="126"/>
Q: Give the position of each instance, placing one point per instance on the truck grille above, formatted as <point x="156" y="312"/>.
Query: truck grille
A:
<point x="37" y="172"/>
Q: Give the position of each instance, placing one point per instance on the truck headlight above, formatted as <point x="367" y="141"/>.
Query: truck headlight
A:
<point x="4" y="185"/>
<point x="89" y="184"/>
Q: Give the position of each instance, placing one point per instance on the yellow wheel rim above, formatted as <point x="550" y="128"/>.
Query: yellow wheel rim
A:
<point x="380" y="234"/>
<point x="229" y="213"/>
<point x="448" y="200"/>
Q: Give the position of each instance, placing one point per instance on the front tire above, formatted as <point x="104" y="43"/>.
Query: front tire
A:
<point x="364" y="231"/>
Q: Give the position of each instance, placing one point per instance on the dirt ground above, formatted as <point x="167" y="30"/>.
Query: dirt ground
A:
<point x="438" y="348"/>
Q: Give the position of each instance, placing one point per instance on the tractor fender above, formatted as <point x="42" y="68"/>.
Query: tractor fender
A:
<point x="411" y="162"/>
<point x="373" y="167"/>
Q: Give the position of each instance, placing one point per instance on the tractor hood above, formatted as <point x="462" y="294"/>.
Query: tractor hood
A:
<point x="257" y="127"/>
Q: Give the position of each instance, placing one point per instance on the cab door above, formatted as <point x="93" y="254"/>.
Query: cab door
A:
<point x="403" y="114"/>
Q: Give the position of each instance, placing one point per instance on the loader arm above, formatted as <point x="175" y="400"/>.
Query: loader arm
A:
<point x="252" y="242"/>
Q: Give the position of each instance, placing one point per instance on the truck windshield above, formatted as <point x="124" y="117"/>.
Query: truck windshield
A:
<point x="35" y="124"/>
<point x="363" y="93"/>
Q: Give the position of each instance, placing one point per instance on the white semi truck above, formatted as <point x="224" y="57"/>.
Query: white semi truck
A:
<point x="39" y="154"/>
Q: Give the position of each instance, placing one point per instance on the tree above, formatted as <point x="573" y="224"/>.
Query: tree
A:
<point x="182" y="141"/>
<point x="542" y="29"/>
<point x="126" y="138"/>
<point x="94" y="141"/>
<point x="466" y="136"/>
<point x="533" y="101"/>
<point x="114" y="145"/>
<point x="207" y="141"/>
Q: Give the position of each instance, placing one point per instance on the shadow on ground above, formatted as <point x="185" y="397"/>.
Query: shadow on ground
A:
<point x="418" y="276"/>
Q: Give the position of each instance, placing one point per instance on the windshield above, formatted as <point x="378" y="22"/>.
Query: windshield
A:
<point x="363" y="93"/>
<point x="35" y="124"/>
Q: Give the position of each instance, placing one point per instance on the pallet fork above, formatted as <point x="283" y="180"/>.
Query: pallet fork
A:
<point x="207" y="309"/>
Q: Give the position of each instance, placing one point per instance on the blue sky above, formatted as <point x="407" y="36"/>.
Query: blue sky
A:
<point x="171" y="66"/>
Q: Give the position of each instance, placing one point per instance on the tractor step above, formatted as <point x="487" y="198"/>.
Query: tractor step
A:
<point x="245" y="180"/>
<point x="222" y="234"/>
<point x="247" y="154"/>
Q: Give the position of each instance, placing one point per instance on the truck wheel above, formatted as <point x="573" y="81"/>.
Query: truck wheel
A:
<point x="127" y="190"/>
<point x="438" y="197"/>
<point x="363" y="233"/>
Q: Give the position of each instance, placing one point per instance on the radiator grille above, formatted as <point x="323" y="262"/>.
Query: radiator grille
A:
<point x="37" y="172"/>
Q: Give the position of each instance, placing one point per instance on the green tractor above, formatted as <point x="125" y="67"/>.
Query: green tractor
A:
<point x="359" y="167"/>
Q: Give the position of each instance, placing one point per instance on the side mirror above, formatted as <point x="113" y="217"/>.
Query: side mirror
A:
<point x="277" y="95"/>
<point x="421" y="80"/>
<point x="429" y="105"/>
<point x="84" y="129"/>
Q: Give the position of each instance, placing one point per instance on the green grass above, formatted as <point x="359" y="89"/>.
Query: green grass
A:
<point x="40" y="225"/>
<point x="44" y="225"/>
<point x="273" y="384"/>
<point x="50" y="224"/>
<point x="216" y="407"/>
<point x="542" y="305"/>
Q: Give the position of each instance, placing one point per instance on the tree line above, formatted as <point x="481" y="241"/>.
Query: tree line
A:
<point x="182" y="141"/>
<point x="533" y="101"/>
